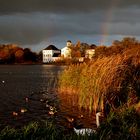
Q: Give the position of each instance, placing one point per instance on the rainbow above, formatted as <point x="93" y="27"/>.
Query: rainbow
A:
<point x="105" y="26"/>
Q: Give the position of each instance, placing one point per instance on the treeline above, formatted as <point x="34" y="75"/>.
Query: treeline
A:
<point x="117" y="47"/>
<point x="12" y="53"/>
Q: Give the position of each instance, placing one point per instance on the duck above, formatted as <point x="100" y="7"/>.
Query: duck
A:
<point x="26" y="99"/>
<point x="98" y="114"/>
<point x="86" y="131"/>
<point x="52" y="110"/>
<point x="51" y="113"/>
<point x="15" y="113"/>
<point x="23" y="110"/>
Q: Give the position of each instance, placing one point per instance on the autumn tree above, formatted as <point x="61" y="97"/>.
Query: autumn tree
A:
<point x="75" y="50"/>
<point x="19" y="55"/>
<point x="100" y="51"/>
<point x="5" y="55"/>
<point x="79" y="49"/>
<point x="39" y="56"/>
<point x="83" y="48"/>
<point x="11" y="53"/>
<point x="119" y="47"/>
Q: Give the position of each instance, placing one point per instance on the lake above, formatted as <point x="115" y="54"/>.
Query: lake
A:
<point x="20" y="81"/>
<point x="28" y="87"/>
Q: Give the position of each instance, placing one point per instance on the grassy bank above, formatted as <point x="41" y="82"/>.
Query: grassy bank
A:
<point x="119" y="125"/>
<point x="40" y="131"/>
<point x="122" y="125"/>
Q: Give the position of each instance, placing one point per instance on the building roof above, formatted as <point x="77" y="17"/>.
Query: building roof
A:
<point x="69" y="41"/>
<point x="51" y="47"/>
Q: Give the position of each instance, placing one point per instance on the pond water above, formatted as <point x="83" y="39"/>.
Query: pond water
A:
<point x="32" y="88"/>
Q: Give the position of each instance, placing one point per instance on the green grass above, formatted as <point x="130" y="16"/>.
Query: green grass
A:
<point x="36" y="131"/>
<point x="120" y="125"/>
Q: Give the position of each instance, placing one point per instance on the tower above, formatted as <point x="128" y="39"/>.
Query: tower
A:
<point x="69" y="43"/>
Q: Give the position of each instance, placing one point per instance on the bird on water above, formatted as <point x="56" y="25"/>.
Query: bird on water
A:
<point x="88" y="131"/>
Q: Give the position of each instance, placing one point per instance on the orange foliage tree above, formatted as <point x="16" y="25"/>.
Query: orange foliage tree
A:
<point x="19" y="55"/>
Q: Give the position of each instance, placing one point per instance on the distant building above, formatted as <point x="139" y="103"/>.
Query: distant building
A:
<point x="66" y="51"/>
<point x="89" y="53"/>
<point x="51" y="54"/>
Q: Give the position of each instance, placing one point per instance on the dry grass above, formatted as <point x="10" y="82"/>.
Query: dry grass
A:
<point x="115" y="79"/>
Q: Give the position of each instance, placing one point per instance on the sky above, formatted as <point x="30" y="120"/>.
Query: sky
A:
<point x="35" y="24"/>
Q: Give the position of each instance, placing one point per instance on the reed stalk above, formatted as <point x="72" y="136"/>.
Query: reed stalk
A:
<point x="111" y="79"/>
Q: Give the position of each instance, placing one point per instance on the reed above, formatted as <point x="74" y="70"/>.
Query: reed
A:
<point x="114" y="79"/>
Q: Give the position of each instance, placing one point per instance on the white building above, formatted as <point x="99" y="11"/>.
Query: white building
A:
<point x="66" y="51"/>
<point x="89" y="53"/>
<point x="51" y="54"/>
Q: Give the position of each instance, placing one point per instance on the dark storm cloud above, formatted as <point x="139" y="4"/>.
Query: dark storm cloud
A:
<point x="34" y="28"/>
<point x="10" y="6"/>
<point x="34" y="21"/>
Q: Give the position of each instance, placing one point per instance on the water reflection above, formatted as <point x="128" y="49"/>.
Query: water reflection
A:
<point x="69" y="109"/>
<point x="21" y="81"/>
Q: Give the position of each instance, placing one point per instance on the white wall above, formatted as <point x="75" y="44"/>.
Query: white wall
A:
<point x="66" y="52"/>
<point x="90" y="53"/>
<point x="48" y="55"/>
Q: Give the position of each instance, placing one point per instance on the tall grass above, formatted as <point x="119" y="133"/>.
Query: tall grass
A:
<point x="114" y="79"/>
